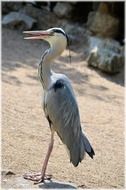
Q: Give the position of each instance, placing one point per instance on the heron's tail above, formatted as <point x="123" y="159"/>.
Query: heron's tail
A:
<point x="86" y="147"/>
<point x="79" y="148"/>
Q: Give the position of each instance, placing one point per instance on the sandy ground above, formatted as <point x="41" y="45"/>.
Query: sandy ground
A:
<point x="25" y="131"/>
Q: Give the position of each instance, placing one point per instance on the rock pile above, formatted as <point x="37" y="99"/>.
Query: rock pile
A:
<point x="105" y="53"/>
<point x="98" y="39"/>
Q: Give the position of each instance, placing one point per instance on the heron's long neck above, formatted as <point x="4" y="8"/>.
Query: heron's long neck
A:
<point x="45" y="71"/>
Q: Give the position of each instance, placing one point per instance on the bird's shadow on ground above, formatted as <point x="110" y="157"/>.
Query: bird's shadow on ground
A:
<point x="56" y="185"/>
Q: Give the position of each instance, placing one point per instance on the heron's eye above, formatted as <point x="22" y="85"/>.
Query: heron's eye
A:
<point x="52" y="33"/>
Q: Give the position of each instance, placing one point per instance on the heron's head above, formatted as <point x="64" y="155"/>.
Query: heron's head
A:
<point x="54" y="36"/>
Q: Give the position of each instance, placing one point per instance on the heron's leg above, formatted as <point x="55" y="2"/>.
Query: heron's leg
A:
<point x="47" y="158"/>
<point x="40" y="177"/>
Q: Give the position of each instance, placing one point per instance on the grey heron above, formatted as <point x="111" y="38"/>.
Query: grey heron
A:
<point x="59" y="103"/>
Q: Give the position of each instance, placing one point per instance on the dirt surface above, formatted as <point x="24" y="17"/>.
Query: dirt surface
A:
<point x="25" y="131"/>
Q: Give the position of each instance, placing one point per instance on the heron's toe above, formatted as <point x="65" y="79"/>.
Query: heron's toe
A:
<point x="42" y="179"/>
<point x="32" y="176"/>
<point x="37" y="177"/>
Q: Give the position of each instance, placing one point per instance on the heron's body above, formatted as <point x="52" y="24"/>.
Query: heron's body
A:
<point x="59" y="102"/>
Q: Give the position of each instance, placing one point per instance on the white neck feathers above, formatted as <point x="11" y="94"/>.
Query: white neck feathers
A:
<point x="57" y="46"/>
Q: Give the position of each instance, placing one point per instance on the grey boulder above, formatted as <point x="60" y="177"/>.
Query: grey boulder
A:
<point x="105" y="54"/>
<point x="18" y="20"/>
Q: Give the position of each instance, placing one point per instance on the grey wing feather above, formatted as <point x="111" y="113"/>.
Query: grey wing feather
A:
<point x="62" y="109"/>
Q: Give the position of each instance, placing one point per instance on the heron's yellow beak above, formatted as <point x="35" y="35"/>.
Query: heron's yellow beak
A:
<point x="37" y="34"/>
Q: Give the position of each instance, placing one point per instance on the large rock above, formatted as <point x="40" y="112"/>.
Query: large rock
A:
<point x="106" y="54"/>
<point x="18" y="20"/>
<point x="63" y="9"/>
<point x="103" y="24"/>
<point x="9" y="180"/>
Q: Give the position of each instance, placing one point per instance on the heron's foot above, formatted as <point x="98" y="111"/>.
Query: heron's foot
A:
<point x="37" y="177"/>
